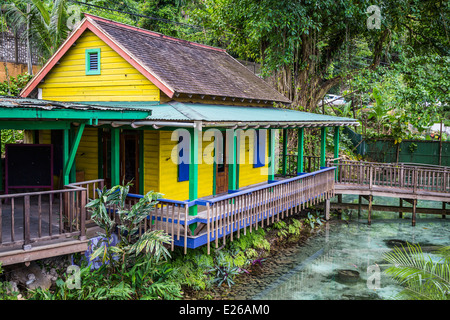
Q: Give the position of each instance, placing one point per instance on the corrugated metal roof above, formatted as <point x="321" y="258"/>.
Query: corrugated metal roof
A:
<point x="227" y="113"/>
<point x="17" y="102"/>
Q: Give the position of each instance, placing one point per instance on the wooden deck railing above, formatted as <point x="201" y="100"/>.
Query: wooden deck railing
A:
<point x="413" y="178"/>
<point x="241" y="211"/>
<point x="263" y="205"/>
<point x="27" y="218"/>
<point x="91" y="187"/>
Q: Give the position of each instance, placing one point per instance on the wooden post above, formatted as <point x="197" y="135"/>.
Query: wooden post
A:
<point x="414" y="212"/>
<point x="285" y="138"/>
<point x="359" y="206"/>
<point x="369" y="216"/>
<point x="400" y="213"/>
<point x="300" y="150"/>
<point x="66" y="156"/>
<point x="83" y="215"/>
<point x="327" y="209"/>
<point x="115" y="156"/>
<point x="336" y="150"/>
<point x="323" y="145"/>
<point x="26" y="223"/>
<point x="272" y="160"/>
<point x="443" y="209"/>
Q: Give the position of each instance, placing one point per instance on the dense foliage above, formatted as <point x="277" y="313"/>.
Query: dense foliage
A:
<point x="394" y="75"/>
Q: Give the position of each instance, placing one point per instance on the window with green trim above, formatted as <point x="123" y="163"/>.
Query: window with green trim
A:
<point x="92" y="61"/>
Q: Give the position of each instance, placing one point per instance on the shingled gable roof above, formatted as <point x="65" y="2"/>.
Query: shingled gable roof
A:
<point x="175" y="66"/>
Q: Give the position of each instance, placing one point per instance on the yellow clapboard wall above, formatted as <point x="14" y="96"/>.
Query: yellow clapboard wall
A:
<point x="86" y="158"/>
<point x="151" y="161"/>
<point x="168" y="171"/>
<point x="118" y="81"/>
<point x="249" y="175"/>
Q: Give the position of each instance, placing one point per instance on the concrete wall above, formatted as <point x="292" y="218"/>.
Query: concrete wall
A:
<point x="14" y="70"/>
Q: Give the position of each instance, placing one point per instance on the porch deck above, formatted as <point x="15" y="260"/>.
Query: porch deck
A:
<point x="37" y="225"/>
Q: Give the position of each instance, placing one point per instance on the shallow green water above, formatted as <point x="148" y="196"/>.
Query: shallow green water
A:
<point x="315" y="270"/>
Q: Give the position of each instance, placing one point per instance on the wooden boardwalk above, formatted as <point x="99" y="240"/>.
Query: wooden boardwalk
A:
<point x="408" y="183"/>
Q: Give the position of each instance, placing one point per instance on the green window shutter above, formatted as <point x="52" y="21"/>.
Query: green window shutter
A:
<point x="92" y="61"/>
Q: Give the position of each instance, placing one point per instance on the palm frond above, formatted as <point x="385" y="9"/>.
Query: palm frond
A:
<point x="422" y="278"/>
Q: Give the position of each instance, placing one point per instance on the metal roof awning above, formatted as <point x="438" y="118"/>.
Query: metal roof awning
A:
<point x="37" y="109"/>
<point x="177" y="114"/>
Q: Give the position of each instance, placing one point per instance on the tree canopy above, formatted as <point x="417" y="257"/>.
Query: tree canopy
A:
<point x="390" y="56"/>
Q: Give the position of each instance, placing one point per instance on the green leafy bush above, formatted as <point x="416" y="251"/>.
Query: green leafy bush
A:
<point x="14" y="85"/>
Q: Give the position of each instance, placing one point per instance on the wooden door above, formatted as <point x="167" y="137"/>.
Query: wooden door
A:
<point x="221" y="166"/>
<point x="129" y="160"/>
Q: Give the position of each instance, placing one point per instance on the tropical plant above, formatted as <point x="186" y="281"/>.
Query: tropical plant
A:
<point x="14" y="85"/>
<point x="313" y="219"/>
<point x="44" y="22"/>
<point x="224" y="270"/>
<point x="129" y="220"/>
<point x="422" y="278"/>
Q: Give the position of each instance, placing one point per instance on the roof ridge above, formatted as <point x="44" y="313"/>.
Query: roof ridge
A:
<point x="153" y="33"/>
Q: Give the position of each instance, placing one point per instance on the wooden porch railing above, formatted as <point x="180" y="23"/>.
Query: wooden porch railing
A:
<point x="28" y="218"/>
<point x="263" y="205"/>
<point x="91" y="187"/>
<point x="413" y="178"/>
<point x="171" y="216"/>
<point x="237" y="212"/>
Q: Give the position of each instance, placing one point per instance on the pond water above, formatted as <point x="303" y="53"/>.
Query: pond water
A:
<point x="344" y="261"/>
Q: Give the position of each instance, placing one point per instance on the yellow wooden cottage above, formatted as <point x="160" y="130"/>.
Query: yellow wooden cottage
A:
<point x="177" y="117"/>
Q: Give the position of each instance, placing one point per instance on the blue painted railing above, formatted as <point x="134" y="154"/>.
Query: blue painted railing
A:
<point x="248" y="208"/>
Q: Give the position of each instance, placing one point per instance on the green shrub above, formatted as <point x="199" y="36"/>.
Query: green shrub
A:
<point x="14" y="85"/>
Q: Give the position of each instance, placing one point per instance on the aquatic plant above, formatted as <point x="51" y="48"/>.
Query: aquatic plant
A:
<point x="313" y="219"/>
<point x="224" y="270"/>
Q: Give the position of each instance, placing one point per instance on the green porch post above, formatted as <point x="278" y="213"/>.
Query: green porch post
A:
<point x="115" y="156"/>
<point x="141" y="162"/>
<point x="69" y="164"/>
<point x="193" y="168"/>
<point x="285" y="137"/>
<point x="66" y="148"/>
<point x="300" y="150"/>
<point x="336" y="148"/>
<point x="232" y="168"/>
<point x="323" y="146"/>
<point x="271" y="169"/>
<point x="1" y="167"/>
